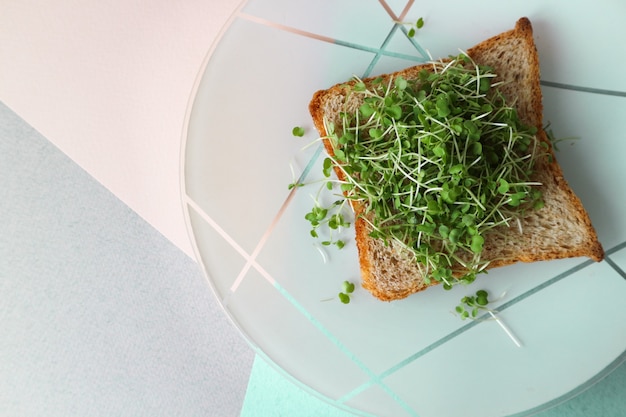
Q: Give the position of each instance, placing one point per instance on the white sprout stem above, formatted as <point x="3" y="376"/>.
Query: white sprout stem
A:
<point x="506" y="329"/>
<point x="322" y="253"/>
<point x="293" y="172"/>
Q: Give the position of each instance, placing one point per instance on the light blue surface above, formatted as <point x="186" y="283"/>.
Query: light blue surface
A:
<point x="270" y="394"/>
<point x="100" y="315"/>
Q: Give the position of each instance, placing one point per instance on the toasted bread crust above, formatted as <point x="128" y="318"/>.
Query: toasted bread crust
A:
<point x="562" y="229"/>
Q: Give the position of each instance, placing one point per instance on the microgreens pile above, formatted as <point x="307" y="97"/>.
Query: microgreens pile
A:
<point x="434" y="163"/>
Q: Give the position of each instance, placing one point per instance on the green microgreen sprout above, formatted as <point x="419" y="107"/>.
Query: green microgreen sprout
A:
<point x="297" y="131"/>
<point x="332" y="218"/>
<point x="295" y="184"/>
<point x="344" y="298"/>
<point x="413" y="26"/>
<point x="554" y="140"/>
<point x="471" y="305"/>
<point x="437" y="162"/>
<point x="348" y="288"/>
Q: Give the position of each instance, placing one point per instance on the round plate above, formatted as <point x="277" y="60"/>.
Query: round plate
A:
<point x="413" y="357"/>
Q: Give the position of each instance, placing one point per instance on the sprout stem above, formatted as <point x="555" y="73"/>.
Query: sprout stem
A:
<point x="506" y="329"/>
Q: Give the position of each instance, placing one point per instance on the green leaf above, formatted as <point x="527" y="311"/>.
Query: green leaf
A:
<point x="401" y="83"/>
<point x="433" y="207"/>
<point x="538" y="204"/>
<point x="517" y="199"/>
<point x="504" y="187"/>
<point x="320" y="213"/>
<point x="485" y="84"/>
<point x="443" y="108"/>
<point x="427" y="228"/>
<point x="297" y="131"/>
<point x="327" y="167"/>
<point x="470" y="126"/>
<point x="359" y="86"/>
<point x="344" y="298"/>
<point x="468" y="220"/>
<point x="346" y="187"/>
<point x="482" y="301"/>
<point x="477" y="244"/>
<point x="376" y="133"/>
<point x="394" y="111"/>
<point x="366" y="110"/>
<point x="456" y="169"/>
<point x="439" y="151"/>
<point x="455" y="235"/>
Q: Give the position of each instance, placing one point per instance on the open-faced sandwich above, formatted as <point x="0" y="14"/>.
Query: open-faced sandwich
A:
<point x="449" y="170"/>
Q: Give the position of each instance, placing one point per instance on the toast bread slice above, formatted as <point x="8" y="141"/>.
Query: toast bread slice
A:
<point x="561" y="229"/>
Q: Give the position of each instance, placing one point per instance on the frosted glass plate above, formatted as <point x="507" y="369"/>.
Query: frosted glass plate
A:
<point x="412" y="357"/>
